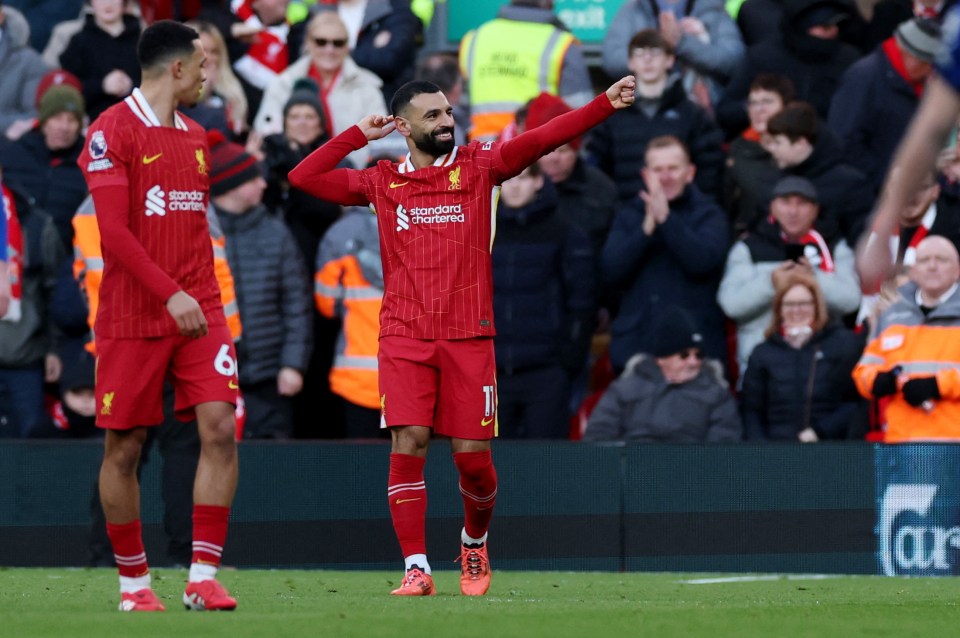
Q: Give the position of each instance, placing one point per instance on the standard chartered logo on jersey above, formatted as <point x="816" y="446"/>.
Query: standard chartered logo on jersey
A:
<point x="158" y="201"/>
<point x="918" y="534"/>
<point x="429" y="215"/>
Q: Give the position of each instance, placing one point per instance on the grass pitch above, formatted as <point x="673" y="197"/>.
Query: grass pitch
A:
<point x="81" y="603"/>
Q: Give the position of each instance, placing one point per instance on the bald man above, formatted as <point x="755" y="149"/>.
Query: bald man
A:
<point x="914" y="358"/>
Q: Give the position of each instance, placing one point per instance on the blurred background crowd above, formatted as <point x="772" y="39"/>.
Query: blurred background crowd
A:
<point x="683" y="273"/>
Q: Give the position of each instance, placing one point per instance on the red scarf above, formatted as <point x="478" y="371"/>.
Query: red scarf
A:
<point x="893" y="53"/>
<point x="820" y="258"/>
<point x="324" y="92"/>
<point x="268" y="54"/>
<point x="14" y="257"/>
<point x="751" y="135"/>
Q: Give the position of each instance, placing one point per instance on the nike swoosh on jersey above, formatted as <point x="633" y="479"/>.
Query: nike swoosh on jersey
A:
<point x="398" y="184"/>
<point x="485" y="422"/>
<point x="405" y="500"/>
<point x="152" y="158"/>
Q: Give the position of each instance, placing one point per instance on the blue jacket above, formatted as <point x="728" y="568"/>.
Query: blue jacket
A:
<point x="679" y="264"/>
<point x="544" y="287"/>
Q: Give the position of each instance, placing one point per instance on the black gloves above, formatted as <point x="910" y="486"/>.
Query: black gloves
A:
<point x="885" y="384"/>
<point x="917" y="391"/>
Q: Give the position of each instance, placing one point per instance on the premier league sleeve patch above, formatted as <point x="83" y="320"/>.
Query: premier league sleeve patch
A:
<point x="97" y="147"/>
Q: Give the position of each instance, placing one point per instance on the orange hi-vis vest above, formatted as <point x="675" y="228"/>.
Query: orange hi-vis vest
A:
<point x="88" y="267"/>
<point x="919" y="347"/>
<point x="342" y="287"/>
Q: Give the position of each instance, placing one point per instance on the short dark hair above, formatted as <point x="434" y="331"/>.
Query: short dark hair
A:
<point x="649" y="39"/>
<point x="775" y="83"/>
<point x="796" y="120"/>
<point x="163" y="41"/>
<point x="409" y="91"/>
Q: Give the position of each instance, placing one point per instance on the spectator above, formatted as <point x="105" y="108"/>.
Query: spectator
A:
<point x="809" y="52"/>
<point x="43" y="163"/>
<point x="661" y="108"/>
<point x="879" y="94"/>
<point x="675" y="396"/>
<point x="750" y="168"/>
<point x="224" y="104"/>
<point x="73" y="415"/>
<point x="889" y="14"/>
<point x="666" y="247"/>
<point x="272" y="292"/>
<point x="261" y="41"/>
<point x="103" y="54"/>
<point x="348" y="92"/>
<point x="800" y="147"/>
<point x="64" y="30"/>
<point x="511" y="59"/>
<point x="21" y="69"/>
<point x="912" y="359"/>
<point x="304" y="131"/>
<point x="384" y="37"/>
<point x="797" y="386"/>
<point x="349" y="285"/>
<point x="43" y="17"/>
<point x="704" y="38"/>
<point x="28" y="343"/>
<point x="785" y="243"/>
<point x="544" y="304"/>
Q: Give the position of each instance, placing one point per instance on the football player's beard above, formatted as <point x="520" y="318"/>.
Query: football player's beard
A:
<point x="431" y="145"/>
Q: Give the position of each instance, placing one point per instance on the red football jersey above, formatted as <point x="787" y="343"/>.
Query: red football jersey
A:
<point x="436" y="232"/>
<point x="437" y="223"/>
<point x="164" y="171"/>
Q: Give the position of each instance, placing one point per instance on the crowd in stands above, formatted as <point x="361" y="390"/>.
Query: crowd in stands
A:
<point x="683" y="273"/>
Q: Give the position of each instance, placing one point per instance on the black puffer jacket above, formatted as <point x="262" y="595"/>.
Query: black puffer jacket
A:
<point x="273" y="295"/>
<point x="780" y="398"/>
<point x="617" y="145"/>
<point x="641" y="406"/>
<point x="544" y="287"/>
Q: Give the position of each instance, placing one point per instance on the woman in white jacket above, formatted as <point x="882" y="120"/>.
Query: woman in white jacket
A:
<point x="348" y="92"/>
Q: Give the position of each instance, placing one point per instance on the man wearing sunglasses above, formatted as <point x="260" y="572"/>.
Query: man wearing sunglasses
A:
<point x="673" y="396"/>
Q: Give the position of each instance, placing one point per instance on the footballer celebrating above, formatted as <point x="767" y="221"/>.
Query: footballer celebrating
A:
<point x="436" y="217"/>
<point x="160" y="313"/>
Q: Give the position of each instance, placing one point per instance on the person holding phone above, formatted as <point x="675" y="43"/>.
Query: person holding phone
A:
<point x="785" y="243"/>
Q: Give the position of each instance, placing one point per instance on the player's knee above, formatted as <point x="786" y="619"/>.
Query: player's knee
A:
<point x="410" y="440"/>
<point x="122" y="450"/>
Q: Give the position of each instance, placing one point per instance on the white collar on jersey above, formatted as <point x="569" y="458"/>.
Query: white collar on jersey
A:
<point x="444" y="160"/>
<point x="142" y="109"/>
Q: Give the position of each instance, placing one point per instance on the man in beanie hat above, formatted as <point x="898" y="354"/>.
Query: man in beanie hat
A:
<point x="879" y="94"/>
<point x="273" y="292"/>
<point x="675" y="396"/>
<point x="44" y="162"/>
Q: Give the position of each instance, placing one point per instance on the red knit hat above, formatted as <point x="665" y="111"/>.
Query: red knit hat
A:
<point x="231" y="164"/>
<point x="544" y="108"/>
<point x="54" y="78"/>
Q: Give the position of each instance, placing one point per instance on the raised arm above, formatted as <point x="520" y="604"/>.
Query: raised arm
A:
<point x="318" y="175"/>
<point x="531" y="145"/>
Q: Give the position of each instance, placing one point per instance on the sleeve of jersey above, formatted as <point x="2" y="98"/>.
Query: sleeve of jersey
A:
<point x="513" y="156"/>
<point x="113" y="212"/>
<point x="318" y="175"/>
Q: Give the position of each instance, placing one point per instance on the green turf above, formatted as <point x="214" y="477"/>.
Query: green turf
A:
<point x="81" y="603"/>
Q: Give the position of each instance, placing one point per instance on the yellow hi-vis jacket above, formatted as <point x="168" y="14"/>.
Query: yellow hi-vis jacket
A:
<point x="507" y="63"/>
<point x="88" y="267"/>
<point x="349" y="283"/>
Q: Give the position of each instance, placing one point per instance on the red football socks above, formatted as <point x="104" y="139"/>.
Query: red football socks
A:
<point x="127" y="542"/>
<point x="209" y="533"/>
<point x="408" y="502"/>
<point x="478" y="484"/>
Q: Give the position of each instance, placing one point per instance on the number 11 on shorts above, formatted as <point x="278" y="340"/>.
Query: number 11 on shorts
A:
<point x="489" y="400"/>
